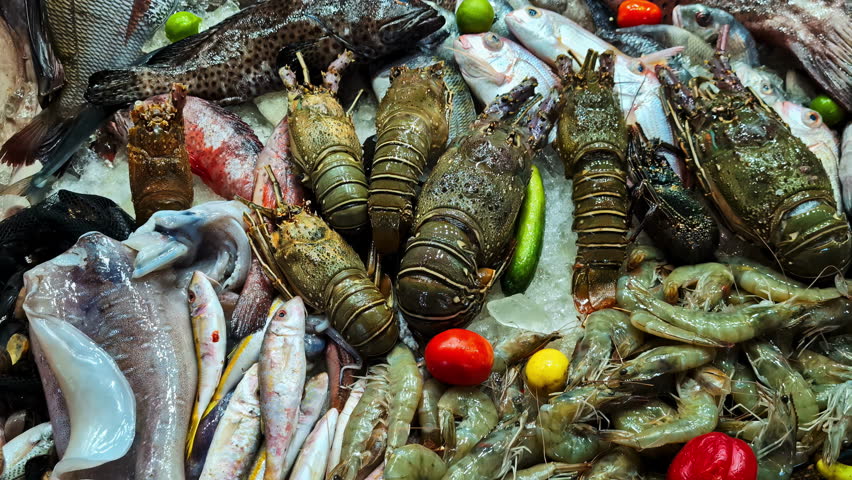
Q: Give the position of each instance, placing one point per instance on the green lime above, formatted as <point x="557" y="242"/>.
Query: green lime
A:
<point x="181" y="25"/>
<point x="529" y="237"/>
<point x="831" y="112"/>
<point x="475" y="16"/>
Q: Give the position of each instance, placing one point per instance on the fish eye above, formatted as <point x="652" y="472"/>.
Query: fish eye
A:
<point x="533" y="12"/>
<point x="766" y="89"/>
<point x="492" y="42"/>
<point x="812" y="118"/>
<point x="703" y="18"/>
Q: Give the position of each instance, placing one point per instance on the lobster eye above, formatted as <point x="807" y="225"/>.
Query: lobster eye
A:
<point x="703" y="18"/>
<point x="492" y="42"/>
<point x="533" y="12"/>
<point x="812" y="118"/>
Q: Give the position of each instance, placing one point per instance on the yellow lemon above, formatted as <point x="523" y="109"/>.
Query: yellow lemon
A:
<point x="547" y="370"/>
<point x="838" y="471"/>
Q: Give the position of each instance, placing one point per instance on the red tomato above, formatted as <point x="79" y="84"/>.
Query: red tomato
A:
<point x="459" y="357"/>
<point x="714" y="456"/>
<point x="638" y="12"/>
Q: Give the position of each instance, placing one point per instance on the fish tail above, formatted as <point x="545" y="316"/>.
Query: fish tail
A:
<point x="831" y="63"/>
<point x="119" y="87"/>
<point x="50" y="138"/>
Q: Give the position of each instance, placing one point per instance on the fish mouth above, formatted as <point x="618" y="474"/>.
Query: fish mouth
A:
<point x="419" y="21"/>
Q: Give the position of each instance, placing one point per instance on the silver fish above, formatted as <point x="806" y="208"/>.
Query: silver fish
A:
<point x="845" y="169"/>
<point x="707" y="22"/>
<point x="143" y="324"/>
<point x="87" y="36"/>
<point x="576" y="10"/>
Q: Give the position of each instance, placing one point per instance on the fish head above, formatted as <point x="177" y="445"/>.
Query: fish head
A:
<point x="701" y="20"/>
<point x="548" y="34"/>
<point x="766" y="85"/>
<point x="401" y="23"/>
<point x="486" y="62"/>
<point x="807" y="124"/>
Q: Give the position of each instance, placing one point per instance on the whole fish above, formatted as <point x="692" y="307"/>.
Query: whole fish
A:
<point x="210" y="333"/>
<point x="707" y="22"/>
<point x="695" y="49"/>
<point x="87" y="36"/>
<point x="143" y="324"/>
<point x="463" y="112"/>
<point x="807" y="125"/>
<point x="576" y="10"/>
<point x="223" y="149"/>
<point x="43" y="231"/>
<point x="282" y="380"/>
<point x="311" y="462"/>
<point x="204" y="437"/>
<point x="237" y="437"/>
<point x="846" y="168"/>
<point x="817" y="32"/>
<point x="316" y="393"/>
<point x="238" y="59"/>
<point x="492" y="65"/>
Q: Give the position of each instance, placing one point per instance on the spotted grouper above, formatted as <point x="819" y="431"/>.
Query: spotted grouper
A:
<point x="239" y="58"/>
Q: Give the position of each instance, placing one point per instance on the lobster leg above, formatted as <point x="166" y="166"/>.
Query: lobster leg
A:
<point x="331" y="78"/>
<point x="507" y="104"/>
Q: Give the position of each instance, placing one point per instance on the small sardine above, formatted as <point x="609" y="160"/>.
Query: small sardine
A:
<point x="282" y="380"/>
<point x="312" y="460"/>
<point x="707" y="22"/>
<point x="210" y="332"/>
<point x="316" y="393"/>
<point x="237" y="437"/>
<point x="492" y="65"/>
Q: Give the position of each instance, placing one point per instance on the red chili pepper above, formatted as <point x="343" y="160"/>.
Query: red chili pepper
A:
<point x="638" y="12"/>
<point x="714" y="456"/>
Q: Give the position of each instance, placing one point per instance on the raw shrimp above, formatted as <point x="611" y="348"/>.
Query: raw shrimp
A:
<point x="712" y="282"/>
<point x="414" y="462"/>
<point x="343" y="421"/>
<point x="635" y="418"/>
<point x="427" y="414"/>
<point x="478" y="415"/>
<point x="575" y="405"/>
<point x="731" y="327"/>
<point x="579" y="442"/>
<point x="545" y="471"/>
<point x="836" y="422"/>
<point x="821" y="369"/>
<point x="658" y="327"/>
<point x="697" y="414"/>
<point x="405" y="384"/>
<point x="660" y="361"/>
<point x="838" y="348"/>
<point x="282" y="380"/>
<point x="765" y="283"/>
<point x="603" y="330"/>
<point x="775" y="445"/>
<point x="365" y="435"/>
<point x="620" y="462"/>
<point x="832" y="315"/>
<point x="514" y="398"/>
<point x="773" y="370"/>
<point x="511" y="349"/>
<point x="744" y="390"/>
<point x="488" y="459"/>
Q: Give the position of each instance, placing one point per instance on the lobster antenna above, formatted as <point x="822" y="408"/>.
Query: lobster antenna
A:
<point x="354" y="102"/>
<point x="305" y="72"/>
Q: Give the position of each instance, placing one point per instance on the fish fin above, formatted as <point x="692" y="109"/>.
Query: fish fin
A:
<point x="41" y="136"/>
<point x="180" y="51"/>
<point x="830" y="63"/>
<point x="660" y="56"/>
<point x="358" y="50"/>
<point x="115" y="87"/>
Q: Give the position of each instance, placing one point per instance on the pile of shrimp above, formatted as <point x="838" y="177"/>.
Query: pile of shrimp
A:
<point x="731" y="347"/>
